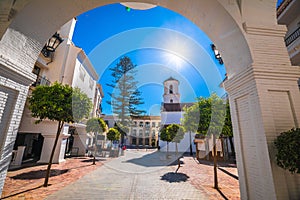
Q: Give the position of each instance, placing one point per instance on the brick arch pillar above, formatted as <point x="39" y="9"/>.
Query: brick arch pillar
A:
<point x="265" y="101"/>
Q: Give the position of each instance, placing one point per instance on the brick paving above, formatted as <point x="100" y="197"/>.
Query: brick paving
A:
<point x="137" y="175"/>
<point x="27" y="183"/>
<point x="201" y="177"/>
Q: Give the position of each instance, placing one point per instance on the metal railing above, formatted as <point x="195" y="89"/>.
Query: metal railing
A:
<point x="292" y="37"/>
<point x="41" y="80"/>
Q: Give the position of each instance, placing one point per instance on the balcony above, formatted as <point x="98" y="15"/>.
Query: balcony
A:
<point x="41" y="80"/>
<point x="292" y="37"/>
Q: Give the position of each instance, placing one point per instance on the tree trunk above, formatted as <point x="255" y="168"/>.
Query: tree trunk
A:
<point x="215" y="162"/>
<point x="231" y="145"/>
<point x="191" y="149"/>
<point x="95" y="150"/>
<point x="167" y="149"/>
<point x="207" y="147"/>
<point x="178" y="159"/>
<point x="59" y="128"/>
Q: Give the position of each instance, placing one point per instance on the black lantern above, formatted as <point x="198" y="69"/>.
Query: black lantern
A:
<point x="51" y="45"/>
<point x="217" y="54"/>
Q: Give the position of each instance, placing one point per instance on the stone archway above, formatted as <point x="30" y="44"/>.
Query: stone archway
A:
<point x="262" y="84"/>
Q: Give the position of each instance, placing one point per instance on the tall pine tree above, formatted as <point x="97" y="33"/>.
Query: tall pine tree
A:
<point x="125" y="97"/>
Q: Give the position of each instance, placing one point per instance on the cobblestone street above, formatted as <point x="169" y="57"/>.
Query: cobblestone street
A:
<point x="137" y="175"/>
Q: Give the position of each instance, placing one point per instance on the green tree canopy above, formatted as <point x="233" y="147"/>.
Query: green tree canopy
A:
<point x="96" y="125"/>
<point x="176" y="132"/>
<point x="206" y="117"/>
<point x="172" y="133"/>
<point x="59" y="103"/>
<point x="52" y="102"/>
<point x="81" y="105"/>
<point x="190" y="119"/>
<point x="164" y="135"/>
<point x="113" y="134"/>
<point x="210" y="120"/>
<point x="125" y="97"/>
<point x="227" y="128"/>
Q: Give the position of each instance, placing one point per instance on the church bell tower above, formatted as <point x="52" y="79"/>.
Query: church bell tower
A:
<point x="171" y="92"/>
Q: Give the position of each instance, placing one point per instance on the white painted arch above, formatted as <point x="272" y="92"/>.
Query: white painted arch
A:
<point x="242" y="31"/>
<point x="209" y="16"/>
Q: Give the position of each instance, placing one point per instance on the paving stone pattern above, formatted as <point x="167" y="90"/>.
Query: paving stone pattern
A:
<point x="137" y="175"/>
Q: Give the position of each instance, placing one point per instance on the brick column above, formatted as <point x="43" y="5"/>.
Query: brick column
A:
<point x="16" y="61"/>
<point x="264" y="101"/>
<point x="13" y="94"/>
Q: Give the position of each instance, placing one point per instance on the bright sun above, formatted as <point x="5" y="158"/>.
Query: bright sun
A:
<point x="174" y="60"/>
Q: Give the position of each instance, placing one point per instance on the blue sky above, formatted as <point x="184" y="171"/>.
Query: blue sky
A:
<point x="279" y="2"/>
<point x="160" y="42"/>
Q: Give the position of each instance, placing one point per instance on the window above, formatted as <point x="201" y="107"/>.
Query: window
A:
<point x="147" y="124"/>
<point x="81" y="73"/>
<point x="141" y="124"/>
<point x="36" y="70"/>
<point x="91" y="83"/>
<point x="147" y="141"/>
<point x="140" y="133"/>
<point x="153" y="124"/>
<point x="134" y="141"/>
<point x="171" y="89"/>
<point x="147" y="133"/>
<point x="134" y="132"/>
<point x="171" y="101"/>
<point x="135" y="124"/>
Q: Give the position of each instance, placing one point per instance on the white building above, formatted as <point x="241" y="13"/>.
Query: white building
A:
<point x="69" y="65"/>
<point x="144" y="131"/>
<point x="172" y="113"/>
<point x="288" y="14"/>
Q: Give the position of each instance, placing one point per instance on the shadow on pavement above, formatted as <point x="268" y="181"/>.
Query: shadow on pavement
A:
<point x="228" y="173"/>
<point x="21" y="192"/>
<point x="91" y="160"/>
<point x="172" y="177"/>
<point x="220" y="163"/>
<point x="39" y="174"/>
<point x="156" y="159"/>
<point x="222" y="194"/>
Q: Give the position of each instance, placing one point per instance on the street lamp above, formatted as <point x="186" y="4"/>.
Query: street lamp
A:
<point x="51" y="45"/>
<point x="217" y="54"/>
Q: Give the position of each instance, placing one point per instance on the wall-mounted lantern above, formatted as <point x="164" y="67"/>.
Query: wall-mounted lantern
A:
<point x="51" y="46"/>
<point x="217" y="54"/>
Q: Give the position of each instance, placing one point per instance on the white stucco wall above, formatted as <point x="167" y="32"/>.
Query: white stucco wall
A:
<point x="183" y="146"/>
<point x="83" y="80"/>
<point x="171" y="117"/>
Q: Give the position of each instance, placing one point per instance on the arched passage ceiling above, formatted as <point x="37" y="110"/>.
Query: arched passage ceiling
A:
<point x="221" y="20"/>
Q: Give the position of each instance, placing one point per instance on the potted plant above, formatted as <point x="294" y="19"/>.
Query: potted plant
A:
<point x="288" y="150"/>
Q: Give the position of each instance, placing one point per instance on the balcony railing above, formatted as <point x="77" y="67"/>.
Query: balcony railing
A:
<point x="41" y="80"/>
<point x="292" y="37"/>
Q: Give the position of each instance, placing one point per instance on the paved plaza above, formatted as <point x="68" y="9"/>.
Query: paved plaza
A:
<point x="139" y="174"/>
